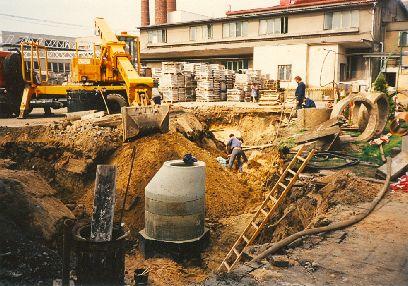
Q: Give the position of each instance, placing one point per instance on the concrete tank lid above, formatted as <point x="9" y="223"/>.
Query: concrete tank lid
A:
<point x="177" y="182"/>
<point x="181" y="164"/>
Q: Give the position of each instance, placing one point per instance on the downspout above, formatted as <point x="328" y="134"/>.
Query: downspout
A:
<point x="373" y="14"/>
<point x="307" y="64"/>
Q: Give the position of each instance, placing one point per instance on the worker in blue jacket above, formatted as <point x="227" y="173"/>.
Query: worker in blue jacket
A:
<point x="300" y="92"/>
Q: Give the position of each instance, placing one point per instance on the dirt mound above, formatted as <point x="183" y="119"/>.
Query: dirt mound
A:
<point x="226" y="194"/>
<point x="317" y="203"/>
<point x="30" y="221"/>
<point x="27" y="199"/>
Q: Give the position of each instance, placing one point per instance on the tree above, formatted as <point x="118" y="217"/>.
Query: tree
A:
<point x="380" y="85"/>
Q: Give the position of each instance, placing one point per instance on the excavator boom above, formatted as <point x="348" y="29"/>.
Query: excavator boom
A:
<point x="141" y="116"/>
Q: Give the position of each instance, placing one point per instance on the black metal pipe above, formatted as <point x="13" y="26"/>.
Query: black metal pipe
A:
<point x="66" y="251"/>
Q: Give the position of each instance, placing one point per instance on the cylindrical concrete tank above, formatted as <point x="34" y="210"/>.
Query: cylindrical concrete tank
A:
<point x="171" y="6"/>
<point x="175" y="202"/>
<point x="160" y="11"/>
<point x="145" y="13"/>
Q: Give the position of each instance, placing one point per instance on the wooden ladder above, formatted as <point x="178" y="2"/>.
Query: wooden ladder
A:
<point x="267" y="209"/>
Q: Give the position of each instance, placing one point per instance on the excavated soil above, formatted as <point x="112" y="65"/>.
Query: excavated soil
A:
<point x="226" y="193"/>
<point x="66" y="155"/>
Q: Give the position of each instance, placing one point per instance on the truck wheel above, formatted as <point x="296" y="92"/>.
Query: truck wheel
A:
<point x="115" y="102"/>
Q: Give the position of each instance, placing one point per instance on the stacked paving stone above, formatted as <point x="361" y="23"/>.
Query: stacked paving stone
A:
<point x="235" y="94"/>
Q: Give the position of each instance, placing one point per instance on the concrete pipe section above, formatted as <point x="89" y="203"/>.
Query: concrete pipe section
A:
<point x="381" y="101"/>
<point x="359" y="100"/>
<point x="175" y="202"/>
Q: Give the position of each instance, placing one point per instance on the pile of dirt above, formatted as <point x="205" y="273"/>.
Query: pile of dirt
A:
<point x="256" y="127"/>
<point x="31" y="219"/>
<point x="28" y="200"/>
<point x="226" y="193"/>
<point x="319" y="202"/>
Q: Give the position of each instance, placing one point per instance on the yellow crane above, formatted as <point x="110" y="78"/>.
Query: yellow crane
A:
<point x="105" y="81"/>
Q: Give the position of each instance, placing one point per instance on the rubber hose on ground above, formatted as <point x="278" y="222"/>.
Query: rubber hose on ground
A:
<point x="335" y="226"/>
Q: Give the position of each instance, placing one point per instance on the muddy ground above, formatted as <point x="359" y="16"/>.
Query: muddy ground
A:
<point x="63" y="155"/>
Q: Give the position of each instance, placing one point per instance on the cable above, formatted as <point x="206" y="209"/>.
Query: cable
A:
<point x="42" y="20"/>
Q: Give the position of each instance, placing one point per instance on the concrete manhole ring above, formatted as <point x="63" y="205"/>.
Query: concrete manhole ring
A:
<point x="373" y="115"/>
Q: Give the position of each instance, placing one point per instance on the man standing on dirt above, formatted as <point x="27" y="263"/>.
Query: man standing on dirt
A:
<point x="234" y="150"/>
<point x="300" y="92"/>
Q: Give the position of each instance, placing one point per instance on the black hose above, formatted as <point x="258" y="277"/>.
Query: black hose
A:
<point x="335" y="226"/>
<point x="326" y="156"/>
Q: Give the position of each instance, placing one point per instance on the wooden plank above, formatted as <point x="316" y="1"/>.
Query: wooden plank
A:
<point x="104" y="203"/>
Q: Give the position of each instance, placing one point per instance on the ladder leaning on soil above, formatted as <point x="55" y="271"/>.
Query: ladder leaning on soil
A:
<point x="268" y="207"/>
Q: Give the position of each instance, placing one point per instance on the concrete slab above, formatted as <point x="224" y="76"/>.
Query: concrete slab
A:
<point x="316" y="134"/>
<point x="399" y="166"/>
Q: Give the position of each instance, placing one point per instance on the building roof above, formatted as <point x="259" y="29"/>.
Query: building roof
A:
<point x="298" y="4"/>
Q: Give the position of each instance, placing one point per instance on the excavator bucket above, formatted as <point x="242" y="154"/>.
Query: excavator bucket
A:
<point x="142" y="120"/>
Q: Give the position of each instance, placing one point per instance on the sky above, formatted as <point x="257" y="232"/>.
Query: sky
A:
<point x="75" y="17"/>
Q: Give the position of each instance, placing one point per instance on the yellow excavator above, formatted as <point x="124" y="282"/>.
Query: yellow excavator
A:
<point x="105" y="81"/>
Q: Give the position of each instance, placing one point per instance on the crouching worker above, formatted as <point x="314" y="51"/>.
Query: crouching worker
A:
<point x="234" y="150"/>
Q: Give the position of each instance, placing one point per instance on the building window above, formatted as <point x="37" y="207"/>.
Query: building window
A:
<point x="49" y="66"/>
<point x="67" y="67"/>
<point x="273" y="26"/>
<point x="199" y="33"/>
<point x="157" y="36"/>
<point x="236" y="65"/>
<point x="285" y="72"/>
<point x="403" y="39"/>
<point x="235" y="29"/>
<point x="55" y="67"/>
<point x="341" y="20"/>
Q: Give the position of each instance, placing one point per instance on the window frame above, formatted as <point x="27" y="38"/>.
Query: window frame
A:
<point x="286" y="77"/>
<point x="272" y="24"/>
<point x="400" y="38"/>
<point x="157" y="34"/>
<point x="353" y="16"/>
<point x="205" y="32"/>
<point x="230" y="29"/>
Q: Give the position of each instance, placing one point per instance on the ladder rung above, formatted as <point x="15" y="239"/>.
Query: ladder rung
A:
<point x="254" y="225"/>
<point x="236" y="252"/>
<point x="273" y="199"/>
<point x="300" y="158"/>
<point x="282" y="185"/>
<point x="292" y="172"/>
<point x="265" y="213"/>
<point x="245" y="238"/>
<point x="226" y="265"/>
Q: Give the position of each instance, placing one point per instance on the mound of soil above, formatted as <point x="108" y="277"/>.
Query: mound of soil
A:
<point x="226" y="193"/>
<point x="314" y="205"/>
<point x="30" y="218"/>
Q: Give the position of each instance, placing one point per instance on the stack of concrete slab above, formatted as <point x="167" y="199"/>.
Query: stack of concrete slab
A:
<point x="235" y="94"/>
<point x="270" y="98"/>
<point x="273" y="85"/>
<point x="172" y="67"/>
<point x="254" y="76"/>
<point x="205" y="87"/>
<point x="172" y="86"/>
<point x="242" y="81"/>
<point x="229" y="79"/>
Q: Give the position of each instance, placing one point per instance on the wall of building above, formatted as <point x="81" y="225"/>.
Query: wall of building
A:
<point x="298" y="25"/>
<point x="318" y="65"/>
<point x="268" y="58"/>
